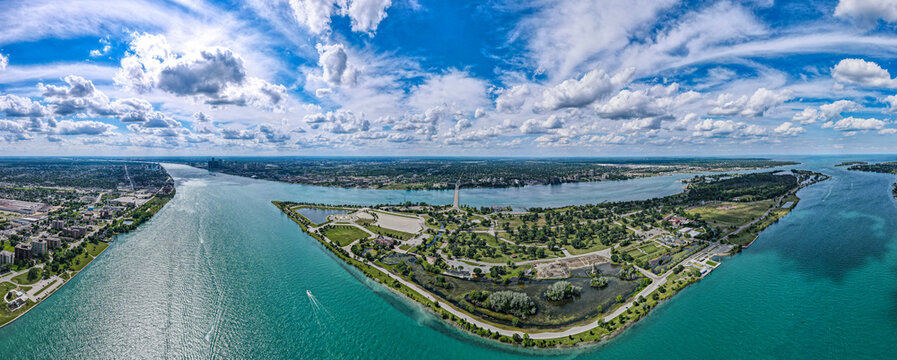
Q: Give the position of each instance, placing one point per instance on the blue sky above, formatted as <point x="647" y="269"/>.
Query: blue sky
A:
<point x="473" y="78"/>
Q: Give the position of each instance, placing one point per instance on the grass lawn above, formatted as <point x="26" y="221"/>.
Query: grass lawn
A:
<point x="5" y="287"/>
<point x="96" y="249"/>
<point x="712" y="263"/>
<point x="389" y="232"/>
<point x="23" y="279"/>
<point x="596" y="246"/>
<point x="740" y="215"/>
<point x="344" y="235"/>
<point x="80" y="261"/>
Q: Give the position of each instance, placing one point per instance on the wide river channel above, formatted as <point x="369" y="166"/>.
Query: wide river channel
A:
<point x="221" y="273"/>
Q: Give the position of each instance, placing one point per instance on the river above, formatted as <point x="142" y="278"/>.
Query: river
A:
<point x="220" y="272"/>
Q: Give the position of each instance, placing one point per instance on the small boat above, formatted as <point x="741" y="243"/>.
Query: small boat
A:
<point x="308" y="292"/>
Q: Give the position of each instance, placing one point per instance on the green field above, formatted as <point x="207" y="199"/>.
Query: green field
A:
<point x="344" y="235"/>
<point x="740" y="215"/>
<point x="95" y="249"/>
<point x="80" y="261"/>
<point x="389" y="232"/>
<point x="23" y="279"/>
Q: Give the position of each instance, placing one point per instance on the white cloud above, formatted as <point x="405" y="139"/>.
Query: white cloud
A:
<point x="863" y="73"/>
<point x="366" y="15"/>
<point x="754" y="106"/>
<point x="338" y="122"/>
<point x="513" y="99"/>
<point x="68" y="127"/>
<point x="592" y="86"/>
<point x="215" y="75"/>
<point x="855" y="124"/>
<point x="789" y="129"/>
<point x="17" y="106"/>
<point x="562" y="36"/>
<point x="334" y="62"/>
<point x="710" y="128"/>
<point x="4" y="61"/>
<point x="825" y="112"/>
<point x="867" y="11"/>
<point x="534" y="126"/>
<point x="316" y="15"/>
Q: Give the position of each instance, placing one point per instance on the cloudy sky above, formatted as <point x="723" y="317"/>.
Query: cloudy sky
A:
<point x="418" y="77"/>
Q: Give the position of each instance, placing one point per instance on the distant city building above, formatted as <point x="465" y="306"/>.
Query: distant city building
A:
<point x="23" y="207"/>
<point x="7" y="257"/>
<point x="38" y="247"/>
<point x="57" y="224"/>
<point x="75" y="231"/>
<point x="53" y="243"/>
<point x="23" y="251"/>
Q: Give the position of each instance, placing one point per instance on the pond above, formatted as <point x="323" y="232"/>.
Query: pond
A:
<point x="318" y="215"/>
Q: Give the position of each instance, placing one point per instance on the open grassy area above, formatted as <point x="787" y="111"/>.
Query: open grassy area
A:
<point x="595" y="246"/>
<point x="389" y="232"/>
<point x="344" y="234"/>
<point x="5" y="287"/>
<point x="741" y="214"/>
<point x="23" y="279"/>
<point x="80" y="261"/>
<point x="95" y="249"/>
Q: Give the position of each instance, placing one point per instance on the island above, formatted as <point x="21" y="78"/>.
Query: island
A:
<point x="58" y="215"/>
<point x="889" y="167"/>
<point x="438" y="173"/>
<point x="549" y="277"/>
<point x="850" y="163"/>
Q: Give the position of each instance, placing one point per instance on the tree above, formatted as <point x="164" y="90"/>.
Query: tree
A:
<point x="34" y="274"/>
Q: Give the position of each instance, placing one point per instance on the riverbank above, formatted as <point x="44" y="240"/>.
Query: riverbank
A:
<point x="141" y="215"/>
<point x="587" y="331"/>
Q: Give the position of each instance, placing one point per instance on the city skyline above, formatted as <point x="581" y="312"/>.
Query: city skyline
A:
<point x="535" y="78"/>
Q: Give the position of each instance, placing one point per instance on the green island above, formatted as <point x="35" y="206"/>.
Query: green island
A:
<point x="550" y="277"/>
<point x="58" y="215"/>
<point x="851" y="163"/>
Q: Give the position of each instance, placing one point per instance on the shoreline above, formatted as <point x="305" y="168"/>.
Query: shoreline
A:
<point x="587" y="331"/>
<point x="64" y="282"/>
<point x="476" y="326"/>
<point x="451" y="188"/>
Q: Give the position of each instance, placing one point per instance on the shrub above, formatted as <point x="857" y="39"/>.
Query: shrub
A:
<point x="562" y="290"/>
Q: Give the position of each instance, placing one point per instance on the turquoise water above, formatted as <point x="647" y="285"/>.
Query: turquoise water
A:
<point x="220" y="272"/>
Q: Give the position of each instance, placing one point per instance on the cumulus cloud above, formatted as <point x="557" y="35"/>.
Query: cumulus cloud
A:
<point x="863" y="73"/>
<point x="338" y="122"/>
<point x="855" y="124"/>
<point x="710" y="128"/>
<point x="18" y="106"/>
<point x="366" y="15"/>
<point x="754" y="106"/>
<point x="78" y="95"/>
<point x="512" y="100"/>
<point x="315" y="15"/>
<point x="789" y="129"/>
<point x="13" y="130"/>
<point x="654" y="101"/>
<point x="215" y="75"/>
<point x="535" y="126"/>
<point x="824" y="113"/>
<point x="592" y="86"/>
<point x="867" y="11"/>
<point x="68" y="127"/>
<point x="334" y="62"/>
<point x="4" y="61"/>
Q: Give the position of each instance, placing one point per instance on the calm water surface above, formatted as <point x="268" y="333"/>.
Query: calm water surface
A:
<point x="221" y="273"/>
